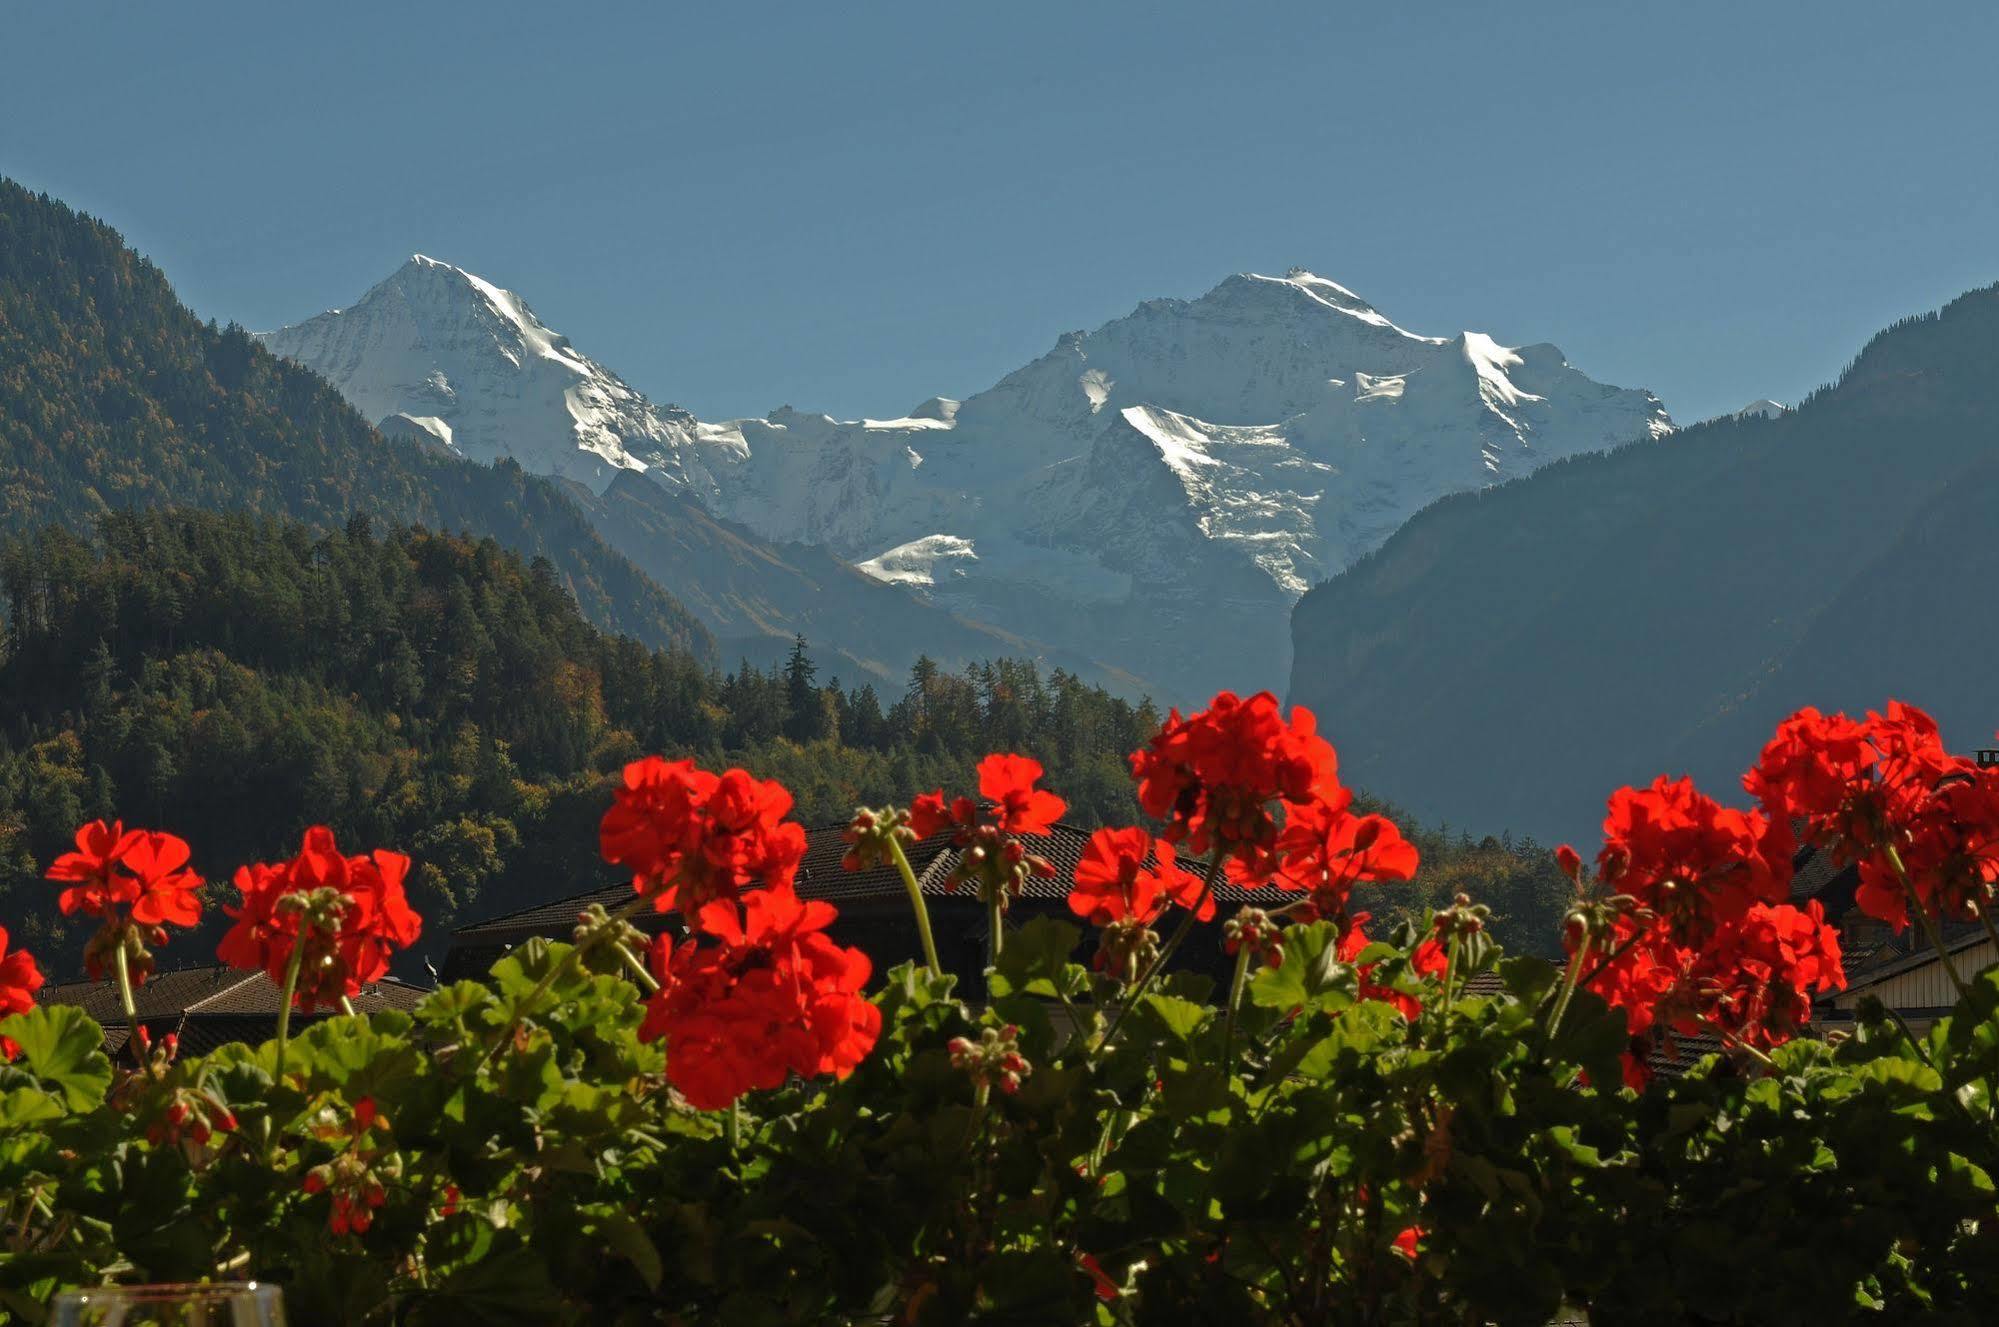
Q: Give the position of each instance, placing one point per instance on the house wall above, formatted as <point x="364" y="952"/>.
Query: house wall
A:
<point x="1925" y="986"/>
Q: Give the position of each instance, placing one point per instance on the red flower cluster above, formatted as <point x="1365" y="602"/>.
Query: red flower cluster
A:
<point x="1214" y="775"/>
<point x="1752" y="980"/>
<point x="1126" y="875"/>
<point x="1326" y="850"/>
<point x="357" y="1173"/>
<point x="347" y="914"/>
<point x="136" y="882"/>
<point x="690" y="837"/>
<point x="773" y="997"/>
<point x="1683" y="855"/>
<point x="992" y="858"/>
<point x="1884" y="792"/>
<point x="1429" y="960"/>
<point x="1705" y="936"/>
<point x="19" y="980"/>
<point x="1123" y="882"/>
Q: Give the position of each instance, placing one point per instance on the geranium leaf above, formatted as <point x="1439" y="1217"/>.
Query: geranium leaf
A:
<point x="64" y="1048"/>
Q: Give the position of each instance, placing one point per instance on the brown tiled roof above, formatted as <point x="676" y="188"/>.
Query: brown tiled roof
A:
<point x="1677" y="1054"/>
<point x="820" y="876"/>
<point x="168" y="992"/>
<point x="1485" y="983"/>
<point x="209" y="1006"/>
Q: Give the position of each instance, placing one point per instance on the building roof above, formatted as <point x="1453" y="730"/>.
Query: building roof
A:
<point x="208" y="1006"/>
<point x="820" y="876"/>
<point x="1911" y="950"/>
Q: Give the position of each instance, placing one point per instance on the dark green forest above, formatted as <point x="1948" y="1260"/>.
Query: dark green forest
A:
<point x="234" y="678"/>
<point x="113" y="395"/>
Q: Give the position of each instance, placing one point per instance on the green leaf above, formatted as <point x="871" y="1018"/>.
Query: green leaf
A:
<point x="23" y="1106"/>
<point x="1035" y="960"/>
<point x="1178" y="1018"/>
<point x="623" y="1235"/>
<point x="64" y="1048"/>
<point x="1311" y="975"/>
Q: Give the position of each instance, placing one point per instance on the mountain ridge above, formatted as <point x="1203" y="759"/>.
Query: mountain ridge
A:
<point x="116" y="395"/>
<point x="1509" y="654"/>
<point x="1152" y="494"/>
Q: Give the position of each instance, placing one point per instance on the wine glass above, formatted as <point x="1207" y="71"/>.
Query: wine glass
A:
<point x="220" y="1304"/>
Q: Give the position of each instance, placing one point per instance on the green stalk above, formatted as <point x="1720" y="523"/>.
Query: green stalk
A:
<point x="1928" y="923"/>
<point x="1569" y="978"/>
<point x="125" y="998"/>
<point x="285" y="1009"/>
<point x="636" y="968"/>
<point x="996" y="926"/>
<point x="1178" y="938"/>
<point x="1236" y="984"/>
<point x="733" y="1126"/>
<point x="1450" y="967"/>
<point x="549" y="978"/>
<point x="916" y="905"/>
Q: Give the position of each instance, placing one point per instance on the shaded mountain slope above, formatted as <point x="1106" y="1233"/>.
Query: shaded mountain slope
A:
<point x="114" y="395"/>
<point x="1511" y="655"/>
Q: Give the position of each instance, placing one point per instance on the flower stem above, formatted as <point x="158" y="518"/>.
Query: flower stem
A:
<point x="347" y="1007"/>
<point x="1237" y="982"/>
<point x="1928" y="923"/>
<point x="1178" y="938"/>
<point x="733" y="1126"/>
<point x="916" y="905"/>
<point x="285" y="1007"/>
<point x="637" y="969"/>
<point x="1569" y="978"/>
<point x="1450" y="966"/>
<point x="125" y="998"/>
<point x="995" y="926"/>
<point x="568" y="961"/>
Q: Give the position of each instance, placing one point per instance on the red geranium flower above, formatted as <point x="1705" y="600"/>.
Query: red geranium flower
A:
<point x="772" y="997"/>
<point x="1353" y="943"/>
<point x="19" y="980"/>
<point x="1216" y="777"/>
<point x="991" y="856"/>
<point x="1690" y="859"/>
<point x="1007" y="781"/>
<point x="1122" y="876"/>
<point x="690" y="837"/>
<point x="1325" y="850"/>
<point x="136" y="881"/>
<point x="349" y="914"/>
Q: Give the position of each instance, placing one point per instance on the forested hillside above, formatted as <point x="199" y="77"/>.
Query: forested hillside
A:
<point x="1509" y="655"/>
<point x="235" y="678"/>
<point x="114" y="395"/>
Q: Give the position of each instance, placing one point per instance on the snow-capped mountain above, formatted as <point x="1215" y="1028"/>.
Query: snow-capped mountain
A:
<point x="435" y="352"/>
<point x="1154" y="494"/>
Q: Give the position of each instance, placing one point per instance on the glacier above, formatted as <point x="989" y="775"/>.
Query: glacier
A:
<point x="1154" y="494"/>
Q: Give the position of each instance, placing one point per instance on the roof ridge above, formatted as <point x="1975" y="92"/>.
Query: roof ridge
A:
<point x="221" y="991"/>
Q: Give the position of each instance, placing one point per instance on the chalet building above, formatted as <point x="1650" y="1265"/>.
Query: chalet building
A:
<point x="207" y="1007"/>
<point x="1900" y="970"/>
<point x="874" y="910"/>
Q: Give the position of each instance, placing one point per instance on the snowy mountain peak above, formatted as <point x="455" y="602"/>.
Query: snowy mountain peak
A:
<point x="436" y="342"/>
<point x="1154" y="493"/>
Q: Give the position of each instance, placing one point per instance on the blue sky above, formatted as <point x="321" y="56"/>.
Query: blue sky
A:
<point x="853" y="207"/>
